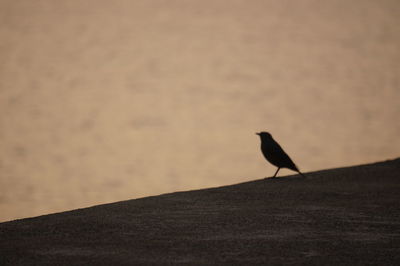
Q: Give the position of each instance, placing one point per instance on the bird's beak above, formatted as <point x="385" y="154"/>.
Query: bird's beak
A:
<point x="258" y="134"/>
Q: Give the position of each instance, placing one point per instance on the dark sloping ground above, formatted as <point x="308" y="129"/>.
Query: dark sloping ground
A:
<point x="339" y="216"/>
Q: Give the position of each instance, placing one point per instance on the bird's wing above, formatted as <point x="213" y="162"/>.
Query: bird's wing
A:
<point x="284" y="158"/>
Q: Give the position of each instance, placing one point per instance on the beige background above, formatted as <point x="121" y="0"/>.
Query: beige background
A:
<point x="111" y="100"/>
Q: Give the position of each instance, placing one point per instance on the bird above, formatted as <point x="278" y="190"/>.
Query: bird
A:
<point x="274" y="154"/>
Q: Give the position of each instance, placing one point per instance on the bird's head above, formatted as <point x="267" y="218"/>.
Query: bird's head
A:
<point x="264" y="135"/>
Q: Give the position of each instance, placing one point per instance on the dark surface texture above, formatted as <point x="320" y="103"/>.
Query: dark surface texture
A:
<point x="339" y="216"/>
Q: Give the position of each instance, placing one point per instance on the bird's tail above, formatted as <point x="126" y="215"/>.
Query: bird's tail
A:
<point x="303" y="175"/>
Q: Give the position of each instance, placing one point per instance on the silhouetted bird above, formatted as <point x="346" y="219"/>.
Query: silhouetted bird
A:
<point x="274" y="154"/>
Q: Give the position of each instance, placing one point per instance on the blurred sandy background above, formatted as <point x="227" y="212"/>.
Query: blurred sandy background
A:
<point x="103" y="101"/>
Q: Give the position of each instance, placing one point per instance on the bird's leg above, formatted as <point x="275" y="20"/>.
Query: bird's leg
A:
<point x="276" y="172"/>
